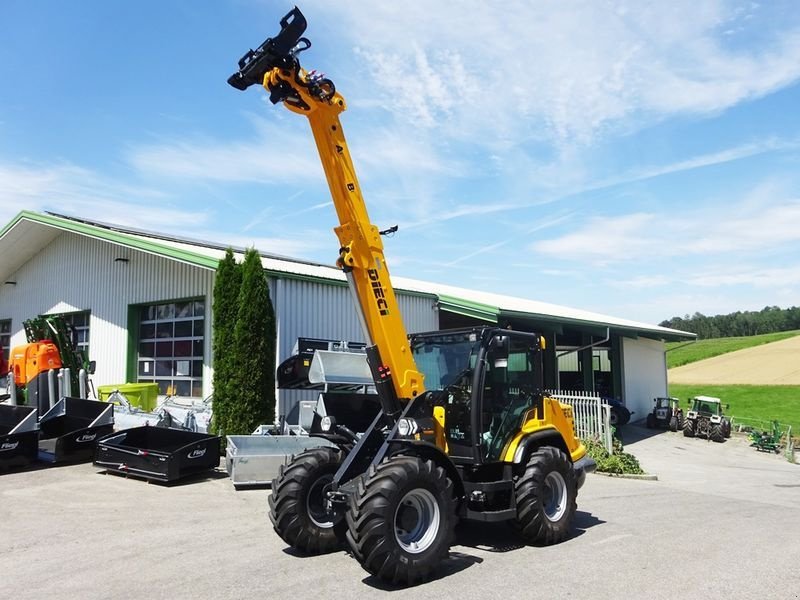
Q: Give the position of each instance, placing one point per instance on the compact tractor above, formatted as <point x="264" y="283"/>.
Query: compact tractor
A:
<point x="705" y="419"/>
<point x="666" y="414"/>
<point x="464" y="428"/>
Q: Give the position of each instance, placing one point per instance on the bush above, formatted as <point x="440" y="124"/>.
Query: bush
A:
<point x="618" y="461"/>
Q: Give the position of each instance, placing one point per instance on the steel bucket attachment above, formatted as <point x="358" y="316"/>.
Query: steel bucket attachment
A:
<point x="19" y="436"/>
<point x="158" y="453"/>
<point x="69" y="431"/>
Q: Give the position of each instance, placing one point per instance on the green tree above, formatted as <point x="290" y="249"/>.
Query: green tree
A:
<point x="227" y="285"/>
<point x="254" y="336"/>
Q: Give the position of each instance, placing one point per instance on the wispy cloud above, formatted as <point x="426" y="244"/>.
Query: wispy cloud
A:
<point x="517" y="69"/>
<point x="70" y="189"/>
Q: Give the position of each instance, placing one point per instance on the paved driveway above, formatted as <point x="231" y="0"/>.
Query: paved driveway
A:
<point x="722" y="522"/>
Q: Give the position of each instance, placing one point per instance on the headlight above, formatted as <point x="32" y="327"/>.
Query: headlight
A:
<point x="407" y="427"/>
<point x="327" y="424"/>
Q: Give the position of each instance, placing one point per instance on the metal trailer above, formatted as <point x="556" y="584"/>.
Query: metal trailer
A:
<point x="69" y="431"/>
<point x="158" y="453"/>
<point x="19" y="436"/>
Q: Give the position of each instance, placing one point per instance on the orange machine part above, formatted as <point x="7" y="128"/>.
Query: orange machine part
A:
<point x="31" y="359"/>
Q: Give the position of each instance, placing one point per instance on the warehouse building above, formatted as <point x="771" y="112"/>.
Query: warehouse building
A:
<point x="141" y="305"/>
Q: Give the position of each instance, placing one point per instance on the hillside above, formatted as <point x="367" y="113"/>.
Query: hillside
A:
<point x="776" y="363"/>
<point x="681" y="353"/>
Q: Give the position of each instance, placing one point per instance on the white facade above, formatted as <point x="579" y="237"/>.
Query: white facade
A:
<point x="77" y="273"/>
<point x="644" y="374"/>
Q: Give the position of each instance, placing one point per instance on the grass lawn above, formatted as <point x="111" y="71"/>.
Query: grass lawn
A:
<point x="707" y="348"/>
<point x="760" y="402"/>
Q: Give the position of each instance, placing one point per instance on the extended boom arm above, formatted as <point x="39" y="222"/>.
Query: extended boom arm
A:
<point x="275" y="66"/>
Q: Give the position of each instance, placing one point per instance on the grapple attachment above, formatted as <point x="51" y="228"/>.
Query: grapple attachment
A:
<point x="279" y="51"/>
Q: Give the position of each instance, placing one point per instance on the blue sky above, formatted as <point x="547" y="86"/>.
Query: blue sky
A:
<point x="635" y="159"/>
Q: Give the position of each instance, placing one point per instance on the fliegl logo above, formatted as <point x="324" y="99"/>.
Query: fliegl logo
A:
<point x="8" y="446"/>
<point x="377" y="290"/>
<point x="86" y="437"/>
<point x="196" y="453"/>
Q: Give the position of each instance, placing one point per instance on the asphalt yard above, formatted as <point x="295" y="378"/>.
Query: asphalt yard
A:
<point x="722" y="521"/>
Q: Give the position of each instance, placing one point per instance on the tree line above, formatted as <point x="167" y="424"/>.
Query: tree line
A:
<point x="770" y="319"/>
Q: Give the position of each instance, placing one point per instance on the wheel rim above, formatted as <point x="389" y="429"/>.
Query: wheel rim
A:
<point x="416" y="521"/>
<point x="555" y="496"/>
<point x="315" y="503"/>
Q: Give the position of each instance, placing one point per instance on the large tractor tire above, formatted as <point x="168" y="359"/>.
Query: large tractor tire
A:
<point x="726" y="428"/>
<point x="673" y="423"/>
<point x="715" y="433"/>
<point x="650" y="421"/>
<point x="401" y="519"/>
<point x="546" y="497"/>
<point x="688" y="428"/>
<point x="296" y="504"/>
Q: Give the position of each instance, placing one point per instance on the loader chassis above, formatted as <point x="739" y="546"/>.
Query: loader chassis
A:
<point x="464" y="427"/>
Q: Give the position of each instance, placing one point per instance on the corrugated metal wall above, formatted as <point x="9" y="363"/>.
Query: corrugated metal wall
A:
<point x="79" y="273"/>
<point x="313" y="309"/>
<point x="75" y="273"/>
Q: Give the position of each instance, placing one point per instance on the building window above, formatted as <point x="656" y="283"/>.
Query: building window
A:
<point x="171" y="347"/>
<point x="5" y="338"/>
<point x="78" y="322"/>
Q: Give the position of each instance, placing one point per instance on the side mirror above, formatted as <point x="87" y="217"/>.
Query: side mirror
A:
<point x="689" y="402"/>
<point x="92" y="366"/>
<point x="500" y="347"/>
<point x="727" y="407"/>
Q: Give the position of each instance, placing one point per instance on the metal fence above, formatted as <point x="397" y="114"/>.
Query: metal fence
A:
<point x="592" y="416"/>
<point x="743" y="425"/>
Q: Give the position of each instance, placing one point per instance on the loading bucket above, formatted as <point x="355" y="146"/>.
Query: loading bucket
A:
<point x="256" y="459"/>
<point x="158" y="453"/>
<point x="69" y="431"/>
<point x="19" y="436"/>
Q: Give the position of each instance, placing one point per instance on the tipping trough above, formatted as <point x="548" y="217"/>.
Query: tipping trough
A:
<point x="18" y="436"/>
<point x="158" y="453"/>
<point x="69" y="431"/>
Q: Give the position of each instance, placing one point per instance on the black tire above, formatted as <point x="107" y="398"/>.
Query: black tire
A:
<point x="688" y="428"/>
<point x="295" y="504"/>
<point x="650" y="421"/>
<point x="681" y="421"/>
<point x="401" y="521"/>
<point x="726" y="428"/>
<point x="673" y="423"/>
<point x="715" y="433"/>
<point x="546" y="497"/>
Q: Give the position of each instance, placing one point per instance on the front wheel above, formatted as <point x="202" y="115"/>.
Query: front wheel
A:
<point x="546" y="497"/>
<point x="716" y="434"/>
<point x="688" y="428"/>
<point x="673" y="423"/>
<point x="401" y="519"/>
<point x="298" y="502"/>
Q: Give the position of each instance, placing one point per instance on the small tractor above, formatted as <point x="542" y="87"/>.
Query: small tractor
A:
<point x="705" y="419"/>
<point x="666" y="414"/>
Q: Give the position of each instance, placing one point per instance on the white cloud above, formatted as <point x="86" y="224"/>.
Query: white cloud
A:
<point x="563" y="71"/>
<point x="66" y="188"/>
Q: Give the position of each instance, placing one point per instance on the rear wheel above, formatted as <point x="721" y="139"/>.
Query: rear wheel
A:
<point x="715" y="433"/>
<point x="401" y="519"/>
<point x="673" y="423"/>
<point x="297" y="504"/>
<point x="546" y="497"/>
<point x="688" y="428"/>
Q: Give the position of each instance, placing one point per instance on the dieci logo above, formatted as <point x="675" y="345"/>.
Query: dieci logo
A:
<point x="6" y="446"/>
<point x="86" y="437"/>
<point x="197" y="453"/>
<point x="377" y="290"/>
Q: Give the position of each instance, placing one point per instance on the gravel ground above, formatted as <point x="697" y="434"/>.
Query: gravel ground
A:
<point x="723" y="521"/>
<point x="770" y="364"/>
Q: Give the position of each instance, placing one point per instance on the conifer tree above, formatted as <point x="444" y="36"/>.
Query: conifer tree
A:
<point x="254" y="352"/>
<point x="227" y="285"/>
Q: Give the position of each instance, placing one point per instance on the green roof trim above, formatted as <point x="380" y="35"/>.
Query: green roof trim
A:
<point x="114" y="237"/>
<point x="468" y="308"/>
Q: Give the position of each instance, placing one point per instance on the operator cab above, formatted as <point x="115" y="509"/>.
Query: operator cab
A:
<point x="487" y="379"/>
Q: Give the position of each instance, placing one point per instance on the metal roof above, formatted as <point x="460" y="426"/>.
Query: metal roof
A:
<point x="29" y="232"/>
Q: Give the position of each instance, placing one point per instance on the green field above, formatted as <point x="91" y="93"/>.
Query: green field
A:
<point x="678" y="353"/>
<point x="762" y="403"/>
